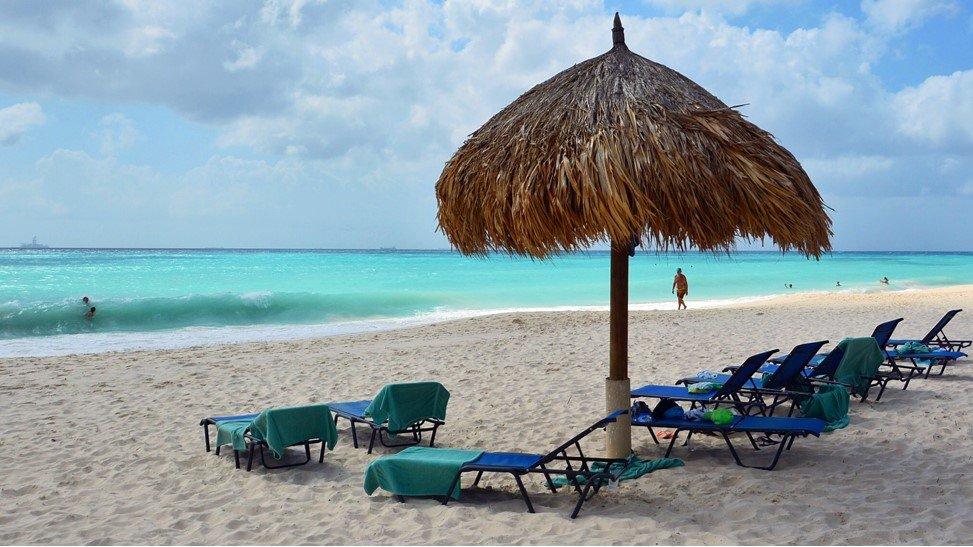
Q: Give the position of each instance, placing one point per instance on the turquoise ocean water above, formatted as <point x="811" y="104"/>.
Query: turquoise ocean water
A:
<point x="171" y="298"/>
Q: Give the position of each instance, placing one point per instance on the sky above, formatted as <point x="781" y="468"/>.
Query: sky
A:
<point x="325" y="124"/>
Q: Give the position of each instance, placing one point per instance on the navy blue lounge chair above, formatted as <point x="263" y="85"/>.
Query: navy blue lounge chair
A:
<point x="729" y="394"/>
<point x="778" y="384"/>
<point x="788" y="428"/>
<point x="821" y="367"/>
<point x="215" y="421"/>
<point x="556" y="462"/>
<point x="936" y="337"/>
<point x="881" y="334"/>
<point x="428" y="419"/>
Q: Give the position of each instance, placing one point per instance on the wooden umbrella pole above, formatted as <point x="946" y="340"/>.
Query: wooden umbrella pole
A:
<point x="617" y="385"/>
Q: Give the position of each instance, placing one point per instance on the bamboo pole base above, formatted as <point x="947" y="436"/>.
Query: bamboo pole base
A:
<point x="619" y="438"/>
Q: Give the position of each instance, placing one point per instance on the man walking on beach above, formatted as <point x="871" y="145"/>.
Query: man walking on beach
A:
<point x="680" y="287"/>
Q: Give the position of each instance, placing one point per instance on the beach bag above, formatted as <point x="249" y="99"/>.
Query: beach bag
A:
<point x="668" y="409"/>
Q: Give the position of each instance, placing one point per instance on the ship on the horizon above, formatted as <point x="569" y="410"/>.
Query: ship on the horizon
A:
<point x="33" y="245"/>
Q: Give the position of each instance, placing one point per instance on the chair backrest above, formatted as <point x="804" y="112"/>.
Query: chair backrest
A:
<point x="883" y="332"/>
<point x="402" y="405"/>
<point x="940" y="326"/>
<point x="575" y="441"/>
<point x="742" y="374"/>
<point x="829" y="365"/>
<point x="795" y="362"/>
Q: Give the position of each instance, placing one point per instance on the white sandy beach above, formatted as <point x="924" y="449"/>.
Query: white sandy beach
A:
<point x="106" y="448"/>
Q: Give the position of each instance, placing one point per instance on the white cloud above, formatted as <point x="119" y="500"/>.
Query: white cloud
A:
<point x="896" y="16"/>
<point x="939" y="111"/>
<point x="116" y="133"/>
<point x="17" y="119"/>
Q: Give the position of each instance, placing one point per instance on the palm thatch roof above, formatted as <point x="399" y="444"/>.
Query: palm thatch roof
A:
<point x="618" y="147"/>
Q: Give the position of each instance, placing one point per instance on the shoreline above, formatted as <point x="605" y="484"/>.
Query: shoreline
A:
<point x="209" y="337"/>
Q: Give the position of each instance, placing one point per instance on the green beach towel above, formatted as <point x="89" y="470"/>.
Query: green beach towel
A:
<point x="861" y="359"/>
<point x="635" y="468"/>
<point x="418" y="471"/>
<point x="231" y="432"/>
<point x="830" y="404"/>
<point x="282" y="427"/>
<point x="402" y="405"/>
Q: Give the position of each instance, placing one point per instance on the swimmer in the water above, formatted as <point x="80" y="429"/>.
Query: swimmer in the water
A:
<point x="90" y="313"/>
<point x="85" y="301"/>
<point x="838" y="284"/>
<point x="884" y="281"/>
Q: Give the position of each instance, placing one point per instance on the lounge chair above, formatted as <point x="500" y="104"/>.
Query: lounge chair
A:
<point x="936" y="337"/>
<point x="276" y="429"/>
<point x="426" y="472"/>
<point x="881" y="334"/>
<point x="728" y="394"/>
<point x="778" y="384"/>
<point x="787" y="428"/>
<point x="923" y="363"/>
<point x="821" y="366"/>
<point x="409" y="408"/>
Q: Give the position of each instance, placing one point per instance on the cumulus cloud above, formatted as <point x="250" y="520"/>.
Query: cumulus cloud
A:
<point x="15" y="120"/>
<point x="115" y="133"/>
<point x="896" y="16"/>
<point x="939" y="111"/>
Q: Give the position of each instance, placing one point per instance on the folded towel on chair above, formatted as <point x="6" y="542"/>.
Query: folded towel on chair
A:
<point x="418" y="471"/>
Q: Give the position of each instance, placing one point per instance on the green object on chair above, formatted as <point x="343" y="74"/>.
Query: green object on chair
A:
<point x="635" y="467"/>
<point x="830" y="404"/>
<point x="418" y="471"/>
<point x="402" y="405"/>
<point x="282" y="427"/>
<point x="861" y="360"/>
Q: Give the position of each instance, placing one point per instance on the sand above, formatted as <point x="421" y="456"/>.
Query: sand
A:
<point x="106" y="448"/>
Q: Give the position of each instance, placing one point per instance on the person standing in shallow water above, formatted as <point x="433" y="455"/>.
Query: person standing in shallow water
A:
<point x="680" y="287"/>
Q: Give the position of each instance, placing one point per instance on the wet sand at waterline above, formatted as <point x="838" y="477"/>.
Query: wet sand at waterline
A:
<point x="106" y="448"/>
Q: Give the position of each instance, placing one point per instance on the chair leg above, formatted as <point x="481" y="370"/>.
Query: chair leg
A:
<point x="236" y="458"/>
<point x="218" y="450"/>
<point x="250" y="458"/>
<point x="354" y="433"/>
<point x="547" y="478"/>
<point x="582" y="497"/>
<point x="206" y="436"/>
<point x="672" y="442"/>
<point x="321" y="457"/>
<point x="652" y="433"/>
<point x="455" y="484"/>
<point x="432" y="438"/>
<point x="371" y="443"/>
<point x="476" y="481"/>
<point x="523" y="493"/>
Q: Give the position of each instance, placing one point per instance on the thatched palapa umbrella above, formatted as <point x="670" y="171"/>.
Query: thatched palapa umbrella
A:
<point x="623" y="149"/>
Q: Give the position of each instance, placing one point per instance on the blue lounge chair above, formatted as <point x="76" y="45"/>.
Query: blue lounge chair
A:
<point x="936" y="337"/>
<point x="923" y="363"/>
<point x="729" y="394"/>
<point x="787" y="428"/>
<point x="778" y="384"/>
<point x="578" y="469"/>
<point x="408" y="408"/>
<point x="881" y="334"/>
<point x="276" y="429"/>
<point x="821" y="366"/>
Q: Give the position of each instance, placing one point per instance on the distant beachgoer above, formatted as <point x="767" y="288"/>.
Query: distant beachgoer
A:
<point x="884" y="281"/>
<point x="85" y="301"/>
<point x="838" y="284"/>
<point x="791" y="286"/>
<point x="680" y="287"/>
<point x="90" y="313"/>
